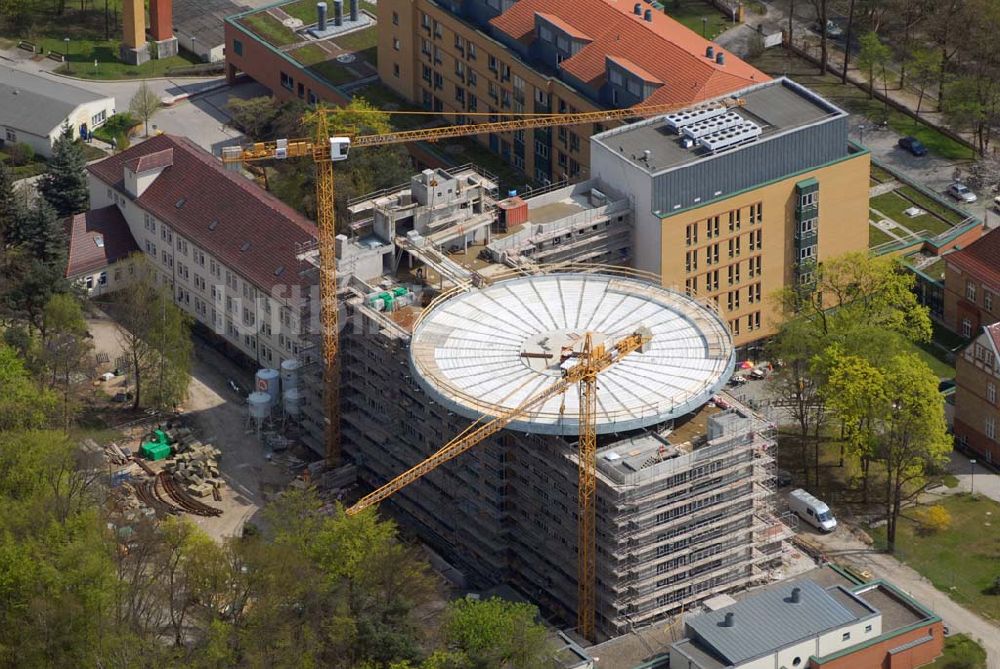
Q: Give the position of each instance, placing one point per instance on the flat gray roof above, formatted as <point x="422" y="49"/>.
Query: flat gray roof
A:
<point x="38" y="105"/>
<point x="776" y="106"/>
<point x="205" y="19"/>
<point x="769" y="620"/>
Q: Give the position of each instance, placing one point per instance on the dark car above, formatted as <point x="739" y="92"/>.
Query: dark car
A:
<point x="913" y="145"/>
<point x="783" y="478"/>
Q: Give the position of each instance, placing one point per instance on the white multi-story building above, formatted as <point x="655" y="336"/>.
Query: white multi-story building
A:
<point x="239" y="261"/>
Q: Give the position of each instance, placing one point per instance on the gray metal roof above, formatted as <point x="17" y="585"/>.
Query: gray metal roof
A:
<point x="776" y="106"/>
<point x="35" y="104"/>
<point x="205" y="19"/>
<point x="767" y="621"/>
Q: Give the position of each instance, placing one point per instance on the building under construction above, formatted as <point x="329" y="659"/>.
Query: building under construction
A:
<point x="459" y="304"/>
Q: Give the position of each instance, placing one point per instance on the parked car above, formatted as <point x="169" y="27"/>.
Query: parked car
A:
<point x="833" y="31"/>
<point x="812" y="510"/>
<point x="913" y="145"/>
<point x="783" y="478"/>
<point x="961" y="192"/>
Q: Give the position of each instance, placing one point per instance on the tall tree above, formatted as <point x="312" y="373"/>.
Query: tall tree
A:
<point x="23" y="404"/>
<point x="847" y="43"/>
<point x="894" y="411"/>
<point x="923" y="67"/>
<point x="66" y="351"/>
<point x="946" y="27"/>
<point x="874" y="54"/>
<point x="496" y="633"/>
<point x="155" y="335"/>
<point x="10" y="209"/>
<point x="822" y="16"/>
<point x="144" y="104"/>
<point x="64" y="183"/>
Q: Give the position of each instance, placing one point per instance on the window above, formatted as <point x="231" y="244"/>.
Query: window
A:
<point x="712" y="227"/>
<point x="991" y="427"/>
<point x="712" y="254"/>
<point x="755" y="241"/>
<point x="493" y="63"/>
<point x="691" y="234"/>
<point x="991" y="392"/>
<point x="473" y="79"/>
<point x="395" y="18"/>
<point x="691" y="285"/>
<point x="753" y="293"/>
<point x="102" y="279"/>
<point x="807" y="252"/>
<point x="425" y="21"/>
<point x="734" y="327"/>
<point x="395" y="70"/>
<point x="98" y="118"/>
<point x="425" y="47"/>
<point x="846" y="636"/>
<point x="712" y="280"/>
<point x="237" y="47"/>
<point x="616" y="78"/>
<point x="797" y="661"/>
<point x="691" y="261"/>
<point x="395" y="44"/>
<point x="471" y="50"/>
<point x="966" y="328"/>
<point x="753" y="321"/>
<point x="970" y="291"/>
<point x="11" y="135"/>
<point x="544" y="33"/>
<point x="734" y="247"/>
<point x="734" y="274"/>
<point x="286" y="81"/>
<point x="808" y="199"/>
<point x="733" y="300"/>
<point x="807" y="226"/>
<point x="149" y="223"/>
<point x="89" y="282"/>
<point x="987" y="300"/>
<point x="868" y="628"/>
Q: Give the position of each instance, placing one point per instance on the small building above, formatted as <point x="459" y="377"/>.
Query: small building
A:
<point x="972" y="286"/>
<point x="805" y="624"/>
<point x="34" y="110"/>
<point x="977" y="375"/>
<point x="199" y="26"/>
<point x="99" y="240"/>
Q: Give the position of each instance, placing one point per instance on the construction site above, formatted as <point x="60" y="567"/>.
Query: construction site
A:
<point x="460" y="306"/>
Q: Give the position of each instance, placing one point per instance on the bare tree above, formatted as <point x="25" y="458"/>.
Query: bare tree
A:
<point x="144" y="104"/>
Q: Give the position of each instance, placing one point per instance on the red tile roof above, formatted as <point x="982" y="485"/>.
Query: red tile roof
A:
<point x="565" y="27"/>
<point x="97" y="238"/>
<point x="254" y="233"/>
<point x="151" y="161"/>
<point x="662" y="47"/>
<point x="993" y="332"/>
<point x="981" y="258"/>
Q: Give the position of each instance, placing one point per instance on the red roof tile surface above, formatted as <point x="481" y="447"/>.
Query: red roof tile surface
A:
<point x="84" y="231"/>
<point x="207" y="192"/>
<point x="981" y="258"/>
<point x="993" y="332"/>
<point x="662" y="47"/>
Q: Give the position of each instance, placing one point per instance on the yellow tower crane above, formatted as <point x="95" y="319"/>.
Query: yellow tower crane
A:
<point x="324" y="150"/>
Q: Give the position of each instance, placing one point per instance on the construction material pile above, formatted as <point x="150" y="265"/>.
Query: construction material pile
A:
<point x="196" y="467"/>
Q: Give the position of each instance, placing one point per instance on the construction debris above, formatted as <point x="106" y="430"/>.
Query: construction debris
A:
<point x="196" y="468"/>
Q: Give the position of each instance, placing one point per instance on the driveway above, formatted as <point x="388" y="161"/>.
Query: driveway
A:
<point x="974" y="478"/>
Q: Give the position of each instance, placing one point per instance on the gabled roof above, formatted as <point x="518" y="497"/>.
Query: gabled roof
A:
<point x="662" y="47"/>
<point x="97" y="239"/>
<point x="981" y="258"/>
<point x="37" y="105"/>
<point x="151" y="161"/>
<point x="993" y="332"/>
<point x="228" y="216"/>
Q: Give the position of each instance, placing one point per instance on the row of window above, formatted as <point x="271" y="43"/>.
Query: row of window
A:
<point x="732" y="274"/>
<point x="970" y="294"/>
<point x="734" y="220"/>
<point x="734" y="247"/>
<point x="752" y="323"/>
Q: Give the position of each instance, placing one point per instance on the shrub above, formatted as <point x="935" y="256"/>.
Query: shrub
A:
<point x="934" y="519"/>
<point x="20" y="154"/>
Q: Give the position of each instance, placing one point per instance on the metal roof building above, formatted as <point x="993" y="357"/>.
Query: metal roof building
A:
<point x="34" y="109"/>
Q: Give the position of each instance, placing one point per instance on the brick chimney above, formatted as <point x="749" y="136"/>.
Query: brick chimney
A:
<point x="161" y="19"/>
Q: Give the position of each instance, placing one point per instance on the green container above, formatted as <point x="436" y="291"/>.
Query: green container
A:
<point x="399" y="291"/>
<point x="161" y="436"/>
<point x="152" y="450"/>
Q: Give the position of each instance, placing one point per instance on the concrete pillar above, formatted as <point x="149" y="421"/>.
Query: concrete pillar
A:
<point x="354" y="10"/>
<point x="161" y="19"/>
<point x="133" y="24"/>
<point x="338" y="12"/>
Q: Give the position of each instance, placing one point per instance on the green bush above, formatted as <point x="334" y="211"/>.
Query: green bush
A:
<point x="20" y="154"/>
<point x="116" y="126"/>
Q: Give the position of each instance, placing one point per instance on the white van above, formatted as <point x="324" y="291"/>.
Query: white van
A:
<point x="812" y="510"/>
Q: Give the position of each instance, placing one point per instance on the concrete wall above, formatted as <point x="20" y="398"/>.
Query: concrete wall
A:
<point x="834" y="641"/>
<point x="102" y="281"/>
<point x="877" y="655"/>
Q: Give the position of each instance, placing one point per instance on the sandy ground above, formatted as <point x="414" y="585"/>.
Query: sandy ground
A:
<point x="217" y="416"/>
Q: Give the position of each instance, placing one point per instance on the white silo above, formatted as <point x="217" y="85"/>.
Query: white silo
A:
<point x="267" y="381"/>
<point x="259" y="406"/>
<point x="292" y="399"/>
<point x="290" y="374"/>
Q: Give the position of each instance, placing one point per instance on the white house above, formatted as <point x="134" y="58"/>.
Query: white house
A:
<point x="34" y="110"/>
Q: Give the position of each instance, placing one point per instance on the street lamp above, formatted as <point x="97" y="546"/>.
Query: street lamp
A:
<point x="68" y="66"/>
<point x="704" y="26"/>
<point x="972" y="471"/>
<point x="861" y="131"/>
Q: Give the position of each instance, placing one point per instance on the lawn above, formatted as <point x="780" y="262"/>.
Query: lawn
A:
<point x="777" y="62"/>
<point x="321" y="63"/>
<point x="880" y="175"/>
<point x="960" y="652"/>
<point x="893" y="204"/>
<point x="952" y="215"/>
<point x="364" y="42"/>
<point x="33" y="168"/>
<point x="934" y="357"/>
<point x="876" y="237"/>
<point x="270" y="29"/>
<point x="962" y="561"/>
<point x="305" y="10"/>
<point x="691" y="14"/>
<point x="83" y="53"/>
